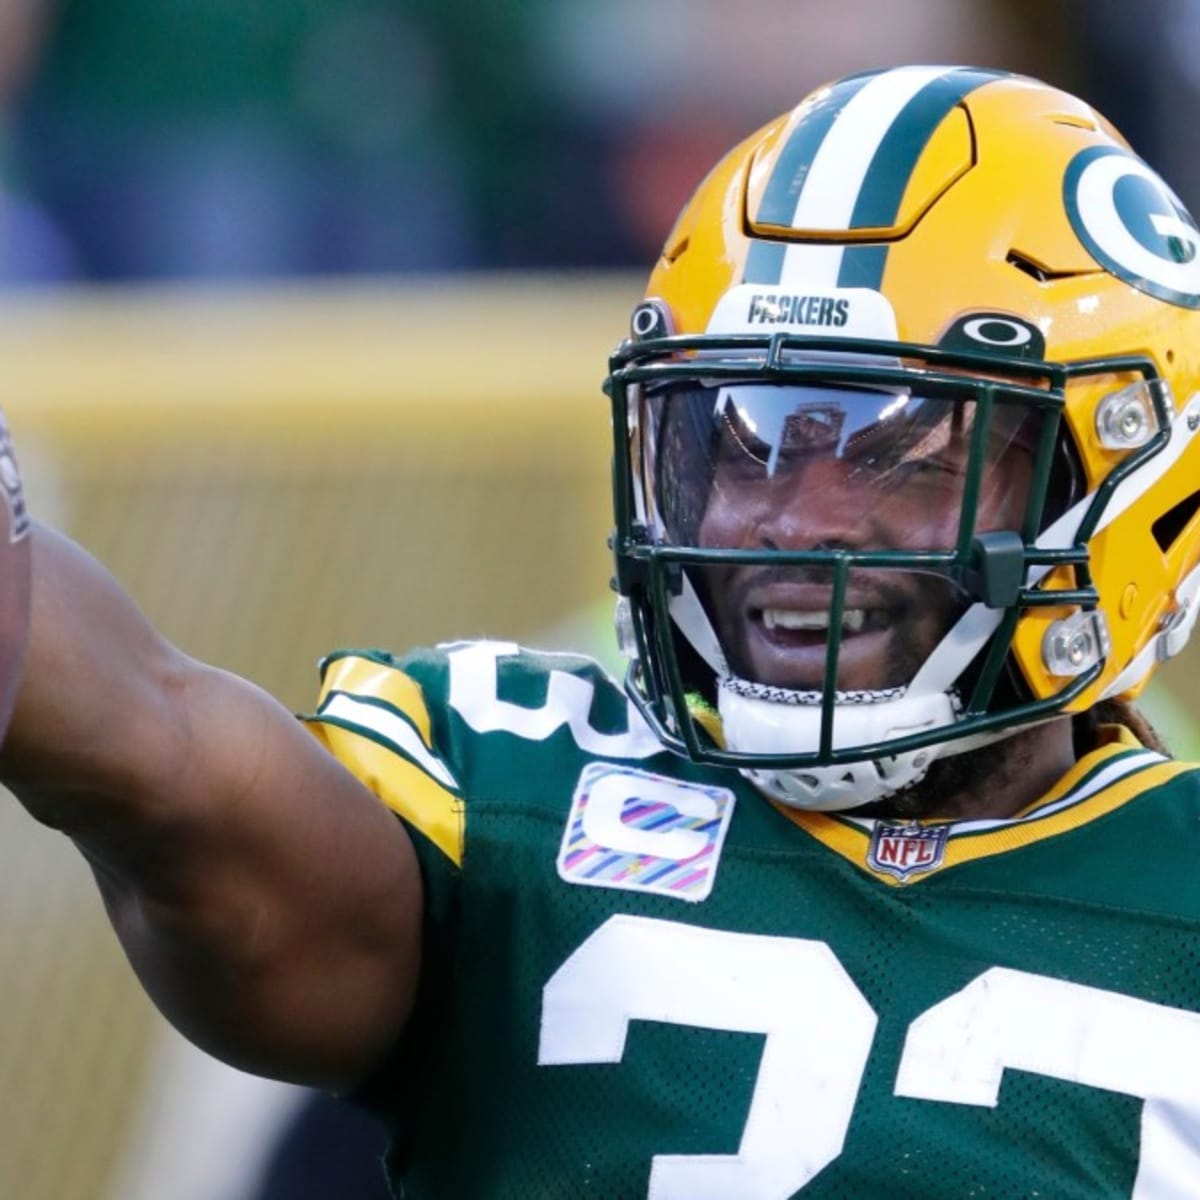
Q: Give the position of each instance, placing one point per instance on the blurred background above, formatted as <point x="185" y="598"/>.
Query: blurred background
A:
<point x="304" y="305"/>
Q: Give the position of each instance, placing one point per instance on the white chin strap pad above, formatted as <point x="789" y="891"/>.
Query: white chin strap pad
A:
<point x="753" y="725"/>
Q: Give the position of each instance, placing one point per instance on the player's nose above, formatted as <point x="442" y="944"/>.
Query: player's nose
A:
<point x="814" y="508"/>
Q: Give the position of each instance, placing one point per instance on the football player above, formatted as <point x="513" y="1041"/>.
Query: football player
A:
<point x="870" y="881"/>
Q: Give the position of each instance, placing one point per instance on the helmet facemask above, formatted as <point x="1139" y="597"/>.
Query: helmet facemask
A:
<point x="941" y="235"/>
<point x="829" y="545"/>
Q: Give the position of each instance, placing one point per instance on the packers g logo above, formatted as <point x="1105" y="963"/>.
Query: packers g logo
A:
<point x="1133" y="224"/>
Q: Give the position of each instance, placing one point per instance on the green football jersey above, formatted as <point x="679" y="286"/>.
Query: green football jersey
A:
<point x="642" y="979"/>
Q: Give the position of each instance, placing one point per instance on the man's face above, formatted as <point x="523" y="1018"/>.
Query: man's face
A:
<point x="831" y="469"/>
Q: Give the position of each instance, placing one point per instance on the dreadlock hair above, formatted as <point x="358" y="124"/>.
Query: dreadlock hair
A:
<point x="1085" y="726"/>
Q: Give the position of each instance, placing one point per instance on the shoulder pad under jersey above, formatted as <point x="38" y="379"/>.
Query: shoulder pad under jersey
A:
<point x="428" y="731"/>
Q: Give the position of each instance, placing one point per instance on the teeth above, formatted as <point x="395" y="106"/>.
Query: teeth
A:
<point x="786" y="618"/>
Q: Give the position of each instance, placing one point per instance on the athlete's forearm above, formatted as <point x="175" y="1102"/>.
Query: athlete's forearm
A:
<point x="269" y="903"/>
<point x="97" y="723"/>
<point x="145" y="757"/>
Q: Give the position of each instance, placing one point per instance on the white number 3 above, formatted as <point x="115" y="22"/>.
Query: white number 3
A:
<point x="819" y="1028"/>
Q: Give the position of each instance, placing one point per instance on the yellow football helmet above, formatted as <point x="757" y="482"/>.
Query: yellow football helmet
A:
<point x="906" y="452"/>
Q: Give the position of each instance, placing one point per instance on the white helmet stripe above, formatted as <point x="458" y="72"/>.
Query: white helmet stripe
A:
<point x="835" y="178"/>
<point x="846" y="166"/>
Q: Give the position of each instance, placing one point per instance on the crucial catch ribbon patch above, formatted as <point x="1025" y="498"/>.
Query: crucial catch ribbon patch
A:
<point x="641" y="832"/>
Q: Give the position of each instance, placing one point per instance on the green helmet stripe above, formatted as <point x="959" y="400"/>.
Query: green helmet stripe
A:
<point x="846" y="165"/>
<point x="893" y="164"/>
<point x="791" y="168"/>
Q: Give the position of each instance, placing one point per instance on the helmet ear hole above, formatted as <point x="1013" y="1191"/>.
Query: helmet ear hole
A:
<point x="1170" y="526"/>
<point x="1067" y="485"/>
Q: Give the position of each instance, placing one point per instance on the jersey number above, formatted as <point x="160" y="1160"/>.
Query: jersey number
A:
<point x="818" y="1029"/>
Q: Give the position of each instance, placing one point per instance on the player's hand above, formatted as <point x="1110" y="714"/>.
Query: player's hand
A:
<point x="15" y="576"/>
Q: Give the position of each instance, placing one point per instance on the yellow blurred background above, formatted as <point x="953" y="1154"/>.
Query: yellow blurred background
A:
<point x="304" y="308"/>
<point x="274" y="474"/>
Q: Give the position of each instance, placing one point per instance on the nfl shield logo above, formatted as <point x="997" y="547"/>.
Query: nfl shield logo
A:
<point x="906" y="850"/>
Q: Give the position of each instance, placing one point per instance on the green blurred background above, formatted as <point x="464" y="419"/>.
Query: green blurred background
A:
<point x="304" y="308"/>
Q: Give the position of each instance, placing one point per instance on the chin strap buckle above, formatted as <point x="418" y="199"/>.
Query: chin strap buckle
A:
<point x="1176" y="630"/>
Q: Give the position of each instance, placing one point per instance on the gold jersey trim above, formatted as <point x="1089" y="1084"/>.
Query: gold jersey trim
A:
<point x="369" y="678"/>
<point x="380" y="762"/>
<point x="1115" y="773"/>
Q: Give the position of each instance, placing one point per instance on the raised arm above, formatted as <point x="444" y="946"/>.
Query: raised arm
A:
<point x="270" y="905"/>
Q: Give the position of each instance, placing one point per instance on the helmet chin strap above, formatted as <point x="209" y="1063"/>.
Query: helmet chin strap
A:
<point x="759" y="719"/>
<point x="756" y="724"/>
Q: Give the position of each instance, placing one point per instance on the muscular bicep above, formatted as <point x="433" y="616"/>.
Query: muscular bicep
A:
<point x="281" y="930"/>
<point x="269" y="903"/>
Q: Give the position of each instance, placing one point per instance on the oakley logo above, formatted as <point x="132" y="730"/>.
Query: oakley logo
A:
<point x="651" y="319"/>
<point x="1133" y="224"/>
<point x="995" y="333"/>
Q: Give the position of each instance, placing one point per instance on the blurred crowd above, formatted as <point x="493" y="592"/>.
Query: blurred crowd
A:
<point x="225" y="139"/>
<point x="258" y="139"/>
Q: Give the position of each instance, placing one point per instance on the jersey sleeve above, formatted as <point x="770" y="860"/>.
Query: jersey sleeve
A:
<point x="372" y="715"/>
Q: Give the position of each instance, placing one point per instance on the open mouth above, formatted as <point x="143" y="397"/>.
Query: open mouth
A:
<point x="774" y="624"/>
<point x="784" y="623"/>
<point x="790" y="626"/>
<point x="786" y="638"/>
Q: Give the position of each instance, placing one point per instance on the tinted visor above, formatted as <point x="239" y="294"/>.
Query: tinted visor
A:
<point x="763" y="466"/>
